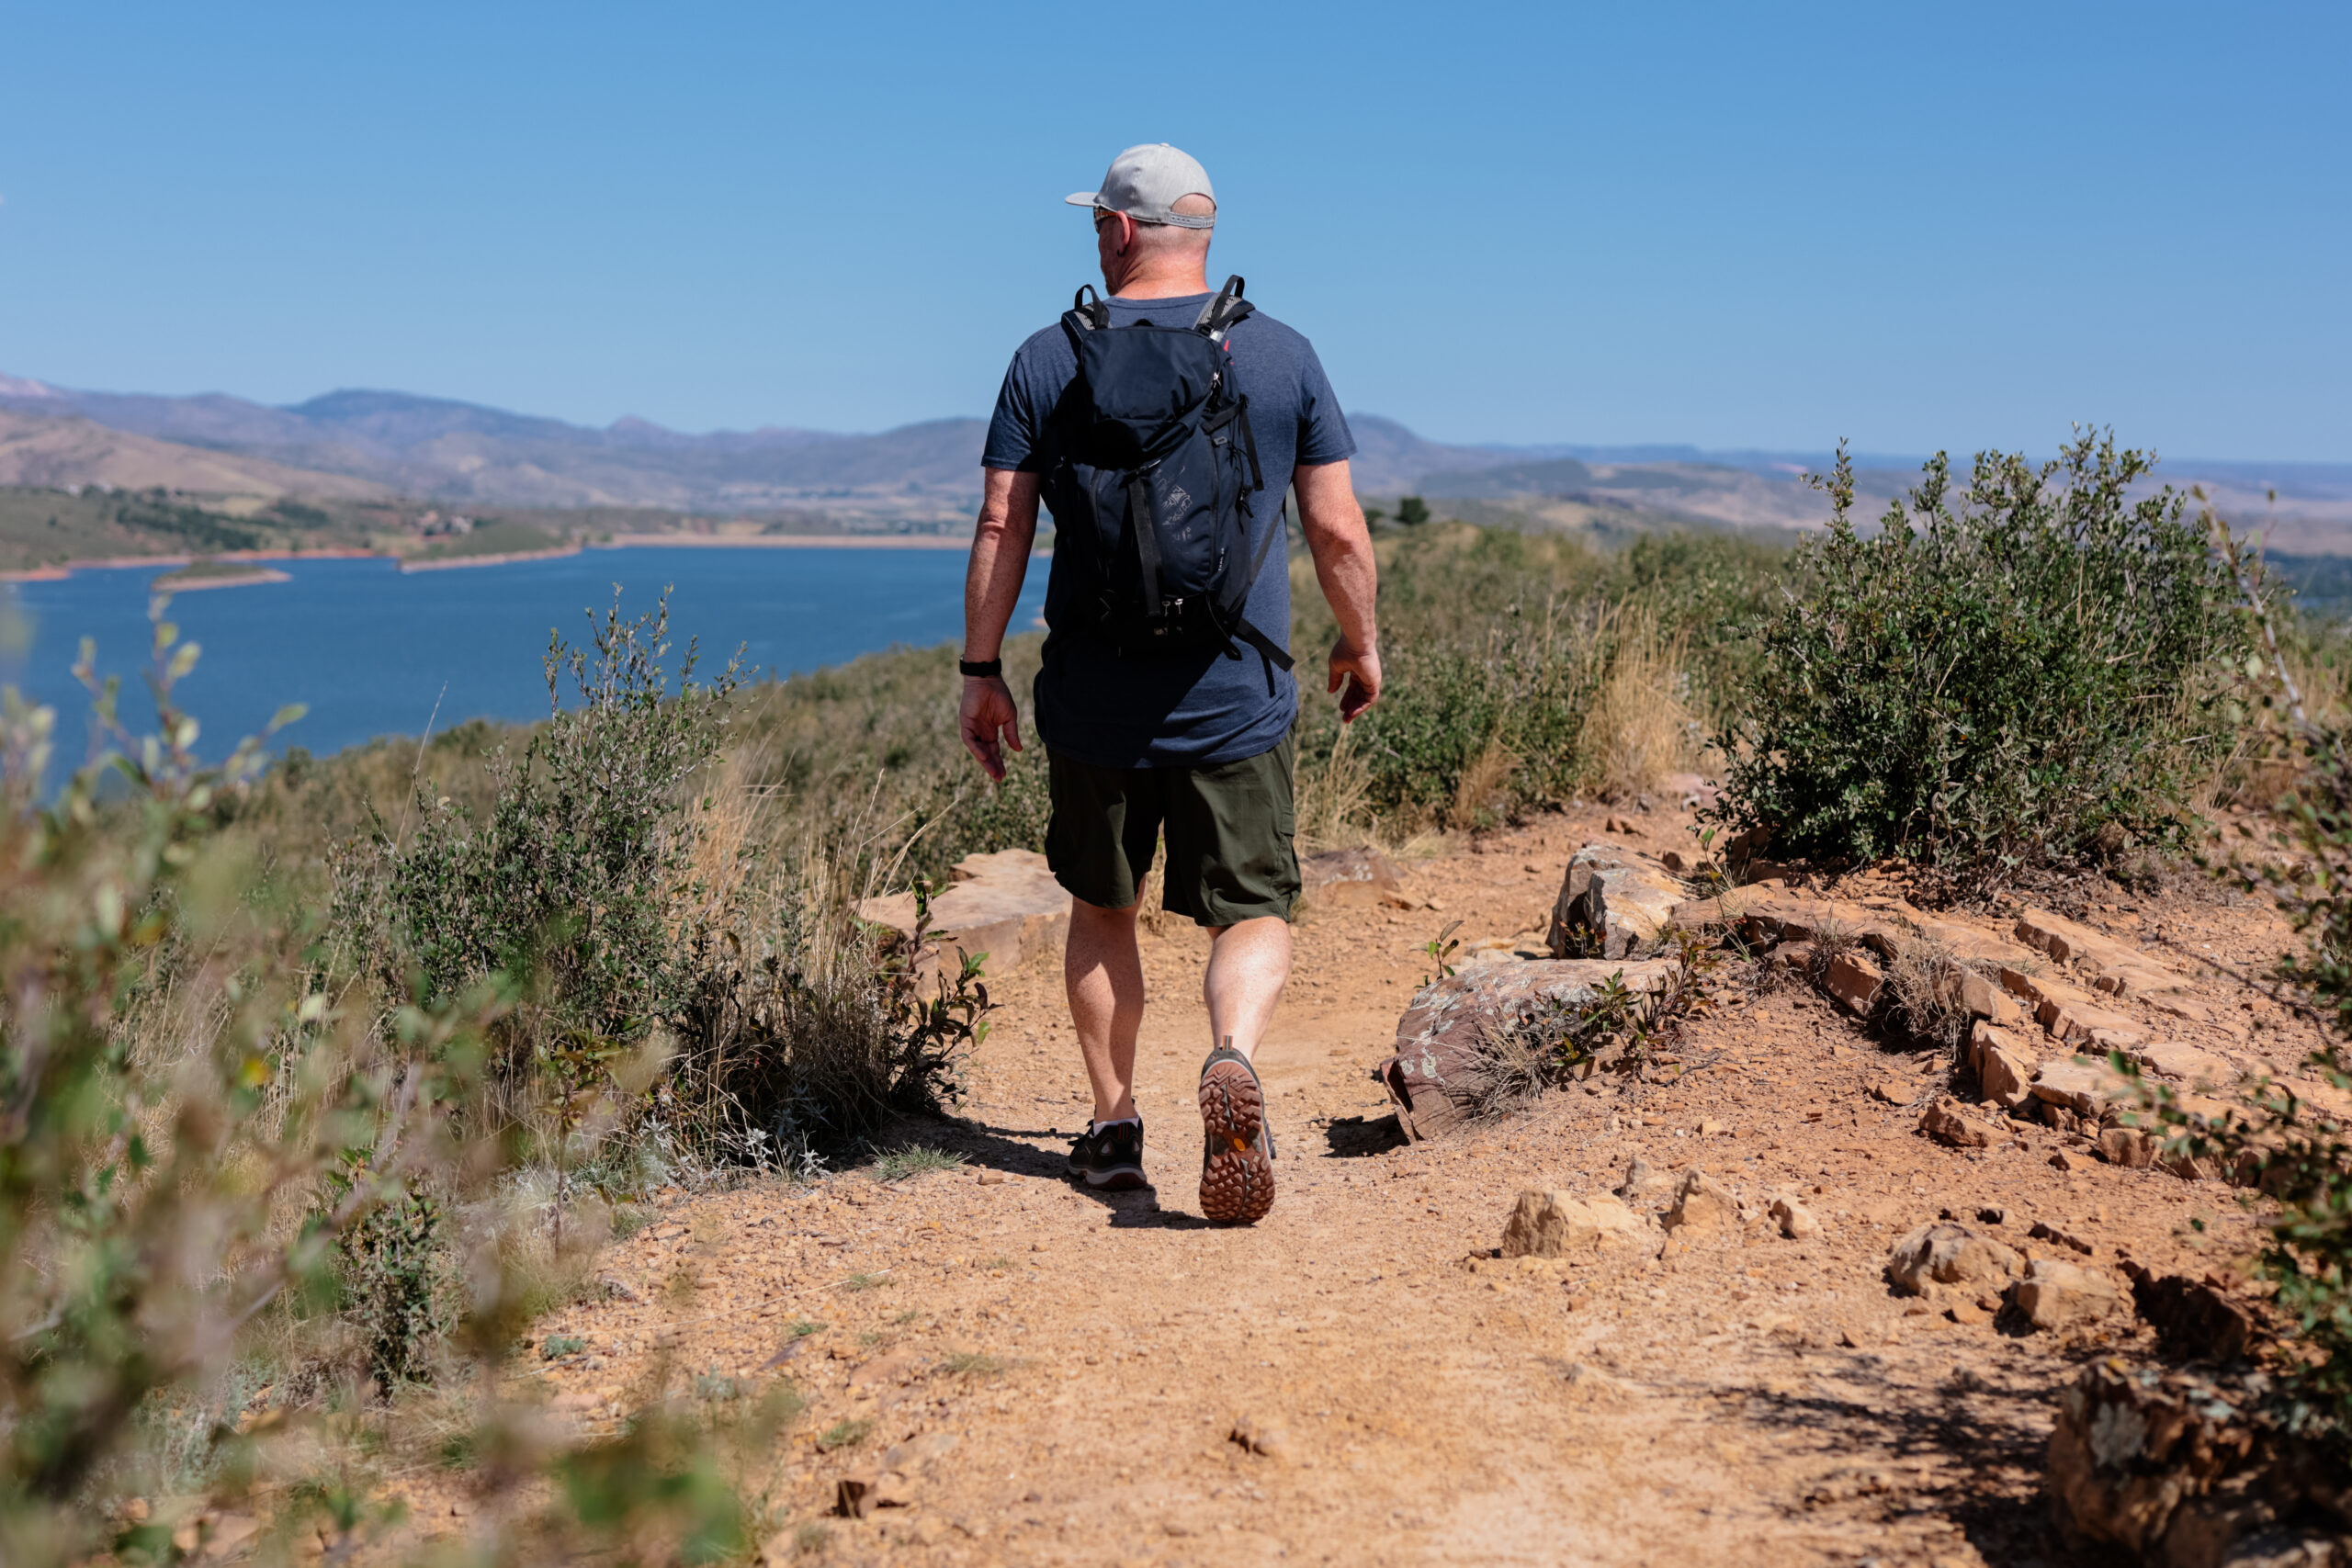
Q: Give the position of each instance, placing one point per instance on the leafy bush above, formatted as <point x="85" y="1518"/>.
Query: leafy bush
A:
<point x="571" y="884"/>
<point x="2024" y="672"/>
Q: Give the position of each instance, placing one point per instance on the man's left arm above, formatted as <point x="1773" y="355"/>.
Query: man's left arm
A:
<point x="1342" y="547"/>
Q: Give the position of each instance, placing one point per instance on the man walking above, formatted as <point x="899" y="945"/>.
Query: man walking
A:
<point x="1160" y="425"/>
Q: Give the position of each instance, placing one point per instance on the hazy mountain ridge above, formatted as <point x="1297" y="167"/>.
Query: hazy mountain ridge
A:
<point x="354" y="441"/>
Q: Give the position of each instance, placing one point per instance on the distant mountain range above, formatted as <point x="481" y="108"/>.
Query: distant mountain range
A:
<point x="353" y="444"/>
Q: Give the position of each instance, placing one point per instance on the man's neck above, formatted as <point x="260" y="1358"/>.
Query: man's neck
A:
<point x="1171" y="284"/>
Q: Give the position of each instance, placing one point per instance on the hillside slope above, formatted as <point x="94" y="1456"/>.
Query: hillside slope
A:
<point x="72" y="451"/>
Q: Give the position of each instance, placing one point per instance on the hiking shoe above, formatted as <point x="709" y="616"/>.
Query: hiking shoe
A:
<point x="1238" y="1152"/>
<point x="1109" y="1157"/>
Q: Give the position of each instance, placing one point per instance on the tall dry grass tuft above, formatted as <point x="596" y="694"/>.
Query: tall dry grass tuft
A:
<point x="1642" y="723"/>
<point x="1334" y="797"/>
<point x="1479" y="796"/>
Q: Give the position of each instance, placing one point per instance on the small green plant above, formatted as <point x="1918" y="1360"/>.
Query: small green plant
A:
<point x="393" y="1266"/>
<point x="846" y="1433"/>
<point x="558" y="1346"/>
<point x="866" y="1281"/>
<point x="915" y="1159"/>
<point x="714" y="1386"/>
<point x="2028" y="669"/>
<point x="1412" y="511"/>
<point x="976" y="1364"/>
<point x="800" y="1328"/>
<point x="1439" y="949"/>
<point x="930" y="1038"/>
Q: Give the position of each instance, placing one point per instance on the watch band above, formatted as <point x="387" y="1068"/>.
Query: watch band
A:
<point x="983" y="668"/>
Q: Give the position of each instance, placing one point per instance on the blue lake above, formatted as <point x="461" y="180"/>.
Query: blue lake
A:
<point x="373" y="651"/>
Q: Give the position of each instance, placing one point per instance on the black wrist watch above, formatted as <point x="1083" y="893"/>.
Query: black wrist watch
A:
<point x="986" y="669"/>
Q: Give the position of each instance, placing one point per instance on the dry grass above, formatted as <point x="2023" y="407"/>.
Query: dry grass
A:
<point x="1643" y="723"/>
<point x="1480" y="794"/>
<point x="1926" y="976"/>
<point x="1334" y="799"/>
<point x="1151" y="908"/>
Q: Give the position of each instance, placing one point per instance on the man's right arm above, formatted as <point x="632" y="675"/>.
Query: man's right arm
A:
<point x="1000" y="545"/>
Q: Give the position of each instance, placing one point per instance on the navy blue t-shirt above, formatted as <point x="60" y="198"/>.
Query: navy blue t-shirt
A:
<point x="1149" y="713"/>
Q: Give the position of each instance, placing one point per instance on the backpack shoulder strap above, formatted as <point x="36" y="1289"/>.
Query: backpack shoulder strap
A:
<point x="1218" y="316"/>
<point x="1088" y="312"/>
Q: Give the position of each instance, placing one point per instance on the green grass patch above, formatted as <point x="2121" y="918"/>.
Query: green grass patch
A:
<point x="915" y="1159"/>
<point x="865" y="1281"/>
<point x="844" y="1434"/>
<point x="977" y="1364"/>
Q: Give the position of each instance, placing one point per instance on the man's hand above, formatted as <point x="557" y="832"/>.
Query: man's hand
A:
<point x="1362" y="673"/>
<point x="987" y="711"/>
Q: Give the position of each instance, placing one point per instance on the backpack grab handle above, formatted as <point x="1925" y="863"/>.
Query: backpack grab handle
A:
<point x="1219" y="315"/>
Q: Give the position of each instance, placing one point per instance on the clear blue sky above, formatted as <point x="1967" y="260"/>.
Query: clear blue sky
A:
<point x="1737" y="225"/>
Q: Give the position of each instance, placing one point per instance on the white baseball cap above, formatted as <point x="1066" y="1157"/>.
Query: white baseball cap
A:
<point x="1146" y="181"/>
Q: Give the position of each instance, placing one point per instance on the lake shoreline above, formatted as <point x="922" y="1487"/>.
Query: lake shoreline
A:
<point x="252" y="579"/>
<point x="60" y="572"/>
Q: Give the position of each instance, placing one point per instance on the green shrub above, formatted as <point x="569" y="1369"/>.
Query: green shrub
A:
<point x="568" y="887"/>
<point x="2017" y="674"/>
<point x="393" y="1269"/>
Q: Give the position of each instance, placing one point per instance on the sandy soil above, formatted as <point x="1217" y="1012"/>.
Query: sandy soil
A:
<point x="1057" y="1373"/>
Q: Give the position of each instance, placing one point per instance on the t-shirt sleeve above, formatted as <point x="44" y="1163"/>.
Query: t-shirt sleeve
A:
<point x="1323" y="432"/>
<point x="1015" y="426"/>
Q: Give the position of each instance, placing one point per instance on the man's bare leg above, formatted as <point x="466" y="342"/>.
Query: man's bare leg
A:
<point x="1103" y="974"/>
<point x="1249" y="965"/>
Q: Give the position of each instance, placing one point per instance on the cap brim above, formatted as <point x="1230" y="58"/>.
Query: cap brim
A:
<point x="1083" y="198"/>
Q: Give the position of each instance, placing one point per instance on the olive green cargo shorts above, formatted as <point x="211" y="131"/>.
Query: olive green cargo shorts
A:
<point x="1229" y="827"/>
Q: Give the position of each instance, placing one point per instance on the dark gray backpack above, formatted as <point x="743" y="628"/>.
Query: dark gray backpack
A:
<point x="1153" y="474"/>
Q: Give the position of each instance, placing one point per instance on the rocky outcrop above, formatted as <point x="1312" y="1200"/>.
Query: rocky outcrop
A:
<point x="1612" y="902"/>
<point x="1433" y="1075"/>
<point x="2176" y="1469"/>
<point x="1006" y="905"/>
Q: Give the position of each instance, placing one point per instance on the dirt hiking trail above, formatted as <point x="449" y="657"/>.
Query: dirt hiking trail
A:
<point x="1014" y="1370"/>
